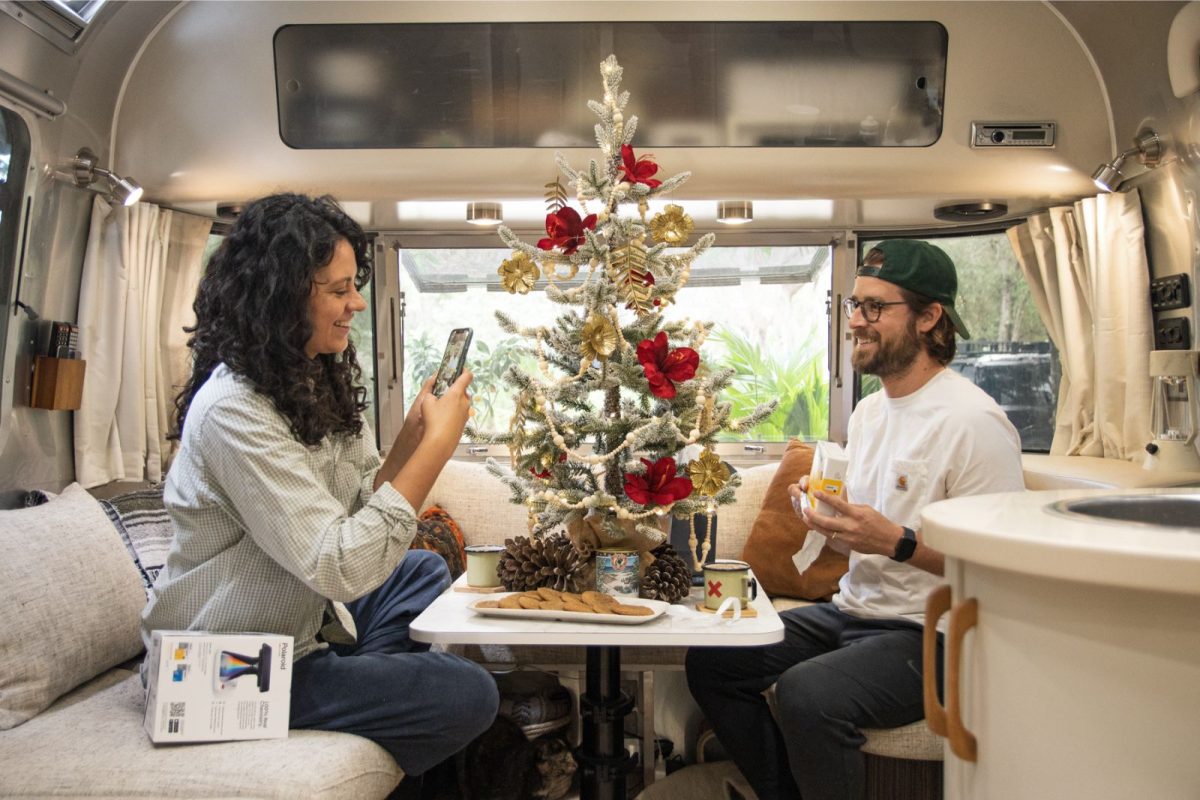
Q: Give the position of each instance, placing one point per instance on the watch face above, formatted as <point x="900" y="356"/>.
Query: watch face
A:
<point x="906" y="546"/>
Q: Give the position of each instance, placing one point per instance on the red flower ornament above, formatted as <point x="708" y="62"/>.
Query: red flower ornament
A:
<point x="545" y="474"/>
<point x="638" y="170"/>
<point x="659" y="485"/>
<point x="663" y="366"/>
<point x="565" y="229"/>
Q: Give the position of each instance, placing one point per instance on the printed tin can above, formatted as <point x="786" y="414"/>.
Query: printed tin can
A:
<point x="617" y="571"/>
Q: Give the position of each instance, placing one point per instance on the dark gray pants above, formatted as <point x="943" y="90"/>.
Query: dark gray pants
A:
<point x="421" y="707"/>
<point x="834" y="674"/>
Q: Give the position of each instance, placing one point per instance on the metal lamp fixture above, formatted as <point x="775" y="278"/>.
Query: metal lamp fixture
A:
<point x="1146" y="146"/>
<point x="83" y="171"/>
<point x="735" y="212"/>
<point x="485" y="213"/>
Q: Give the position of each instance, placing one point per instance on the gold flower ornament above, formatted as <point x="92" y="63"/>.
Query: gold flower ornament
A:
<point x="598" y="338"/>
<point x="671" y="226"/>
<point x="708" y="473"/>
<point x="518" y="274"/>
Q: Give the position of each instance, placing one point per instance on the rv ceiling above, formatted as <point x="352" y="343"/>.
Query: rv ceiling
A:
<point x="197" y="120"/>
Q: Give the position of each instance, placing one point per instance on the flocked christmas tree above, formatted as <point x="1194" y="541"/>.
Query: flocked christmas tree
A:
<point x="613" y="372"/>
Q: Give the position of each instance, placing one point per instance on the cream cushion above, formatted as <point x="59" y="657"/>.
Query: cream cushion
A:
<point x="72" y="601"/>
<point x="91" y="744"/>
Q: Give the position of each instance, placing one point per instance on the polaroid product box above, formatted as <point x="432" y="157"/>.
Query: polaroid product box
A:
<point x="209" y="687"/>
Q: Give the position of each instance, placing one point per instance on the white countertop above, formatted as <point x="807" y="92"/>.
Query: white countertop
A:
<point x="449" y="621"/>
<point x="1015" y="531"/>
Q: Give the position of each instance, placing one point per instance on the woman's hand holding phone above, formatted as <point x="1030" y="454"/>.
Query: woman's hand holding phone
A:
<point x="445" y="417"/>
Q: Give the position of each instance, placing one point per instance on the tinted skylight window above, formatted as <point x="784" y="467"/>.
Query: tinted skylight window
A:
<point x="693" y="84"/>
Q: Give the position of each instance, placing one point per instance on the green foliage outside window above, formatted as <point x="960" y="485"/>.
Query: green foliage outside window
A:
<point x="799" y="383"/>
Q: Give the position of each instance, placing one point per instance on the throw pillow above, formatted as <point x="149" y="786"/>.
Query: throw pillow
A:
<point x="79" y="596"/>
<point x="145" y="528"/>
<point x="437" y="531"/>
<point x="778" y="533"/>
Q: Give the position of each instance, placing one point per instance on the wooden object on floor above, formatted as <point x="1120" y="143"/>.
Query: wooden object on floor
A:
<point x="57" y="383"/>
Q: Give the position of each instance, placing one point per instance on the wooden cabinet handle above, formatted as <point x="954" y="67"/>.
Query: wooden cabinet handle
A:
<point x="937" y="604"/>
<point x="964" y="617"/>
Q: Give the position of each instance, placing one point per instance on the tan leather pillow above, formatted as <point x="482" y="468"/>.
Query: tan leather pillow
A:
<point x="778" y="533"/>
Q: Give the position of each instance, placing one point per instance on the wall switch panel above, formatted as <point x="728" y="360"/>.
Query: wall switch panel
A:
<point x="1172" y="334"/>
<point x="1173" y="291"/>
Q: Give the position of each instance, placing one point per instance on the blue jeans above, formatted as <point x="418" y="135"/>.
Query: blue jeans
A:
<point x="421" y="707"/>
<point x="833" y="674"/>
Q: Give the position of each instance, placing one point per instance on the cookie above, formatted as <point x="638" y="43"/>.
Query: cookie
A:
<point x="512" y="601"/>
<point x="488" y="604"/>
<point x="594" y="598"/>
<point x="631" y="610"/>
<point x="546" y="593"/>
<point x="529" y="602"/>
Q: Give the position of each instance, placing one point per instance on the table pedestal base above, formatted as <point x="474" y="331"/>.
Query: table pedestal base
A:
<point x="602" y="758"/>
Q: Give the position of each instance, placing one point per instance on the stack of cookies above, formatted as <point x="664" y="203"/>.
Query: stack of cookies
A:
<point x="547" y="599"/>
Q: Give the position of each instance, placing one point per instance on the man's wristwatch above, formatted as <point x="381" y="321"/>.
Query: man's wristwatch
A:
<point x="906" y="546"/>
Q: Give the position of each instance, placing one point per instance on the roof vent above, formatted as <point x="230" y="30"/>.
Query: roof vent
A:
<point x="970" y="212"/>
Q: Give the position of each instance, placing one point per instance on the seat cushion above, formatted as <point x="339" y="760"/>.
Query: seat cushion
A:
<point x="91" y="744"/>
<point x="72" y="599"/>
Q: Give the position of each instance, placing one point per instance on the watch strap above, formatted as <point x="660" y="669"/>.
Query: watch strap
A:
<point x="906" y="546"/>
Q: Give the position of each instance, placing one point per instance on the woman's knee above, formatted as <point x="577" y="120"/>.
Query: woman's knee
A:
<point x="476" y="696"/>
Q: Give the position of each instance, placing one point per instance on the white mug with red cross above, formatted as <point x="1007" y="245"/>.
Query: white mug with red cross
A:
<point x="728" y="578"/>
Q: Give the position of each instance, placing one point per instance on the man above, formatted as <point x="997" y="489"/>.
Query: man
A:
<point x="856" y="662"/>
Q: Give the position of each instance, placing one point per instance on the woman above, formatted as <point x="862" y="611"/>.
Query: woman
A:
<point x="280" y="501"/>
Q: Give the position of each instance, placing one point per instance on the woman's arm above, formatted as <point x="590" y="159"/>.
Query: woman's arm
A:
<point x="406" y="440"/>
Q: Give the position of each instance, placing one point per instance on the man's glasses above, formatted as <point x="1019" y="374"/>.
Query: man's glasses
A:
<point x="871" y="309"/>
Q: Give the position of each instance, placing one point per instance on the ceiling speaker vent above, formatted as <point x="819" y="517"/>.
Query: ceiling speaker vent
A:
<point x="971" y="212"/>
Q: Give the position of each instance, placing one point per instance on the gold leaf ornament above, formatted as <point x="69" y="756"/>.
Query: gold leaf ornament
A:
<point x="598" y="338"/>
<point x="708" y="473"/>
<point x="627" y="269"/>
<point x="672" y="225"/>
<point x="518" y="274"/>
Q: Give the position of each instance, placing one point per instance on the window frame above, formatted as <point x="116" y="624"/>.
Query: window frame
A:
<point x="390" y="303"/>
<point x="15" y="204"/>
<point x="963" y="231"/>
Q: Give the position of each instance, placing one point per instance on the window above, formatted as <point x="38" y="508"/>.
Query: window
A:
<point x="61" y="22"/>
<point x="14" y="162"/>
<point x="1010" y="355"/>
<point x="783" y="83"/>
<point x="768" y="303"/>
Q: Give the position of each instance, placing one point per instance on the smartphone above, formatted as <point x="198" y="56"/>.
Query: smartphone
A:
<point x="453" y="360"/>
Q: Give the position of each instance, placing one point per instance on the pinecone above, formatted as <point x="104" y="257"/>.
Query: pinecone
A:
<point x="668" y="578"/>
<point x="550" y="561"/>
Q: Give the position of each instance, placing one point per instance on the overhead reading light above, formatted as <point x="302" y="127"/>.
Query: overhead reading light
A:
<point x="1146" y="146"/>
<point x="970" y="212"/>
<point x="735" y="212"/>
<point x="83" y="171"/>
<point x="485" y="213"/>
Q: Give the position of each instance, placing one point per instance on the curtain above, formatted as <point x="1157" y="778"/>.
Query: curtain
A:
<point x="1087" y="270"/>
<point x="134" y="274"/>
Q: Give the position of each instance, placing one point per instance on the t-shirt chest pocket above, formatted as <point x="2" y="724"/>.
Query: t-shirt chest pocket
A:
<point x="907" y="490"/>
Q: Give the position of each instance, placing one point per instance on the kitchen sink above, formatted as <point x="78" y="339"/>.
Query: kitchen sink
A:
<point x="1168" y="510"/>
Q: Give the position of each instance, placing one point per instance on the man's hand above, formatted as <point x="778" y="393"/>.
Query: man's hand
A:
<point x="859" y="527"/>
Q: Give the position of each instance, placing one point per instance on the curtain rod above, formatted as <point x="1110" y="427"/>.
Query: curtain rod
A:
<point x="26" y="94"/>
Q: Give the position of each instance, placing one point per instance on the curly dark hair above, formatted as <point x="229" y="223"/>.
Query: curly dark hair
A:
<point x="252" y="314"/>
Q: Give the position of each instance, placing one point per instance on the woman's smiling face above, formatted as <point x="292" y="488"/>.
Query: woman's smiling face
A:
<point x="333" y="302"/>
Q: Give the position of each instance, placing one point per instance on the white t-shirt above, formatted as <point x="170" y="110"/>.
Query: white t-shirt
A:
<point x="947" y="439"/>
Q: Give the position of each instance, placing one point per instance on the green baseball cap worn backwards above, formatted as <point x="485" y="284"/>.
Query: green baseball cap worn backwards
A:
<point x="922" y="268"/>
